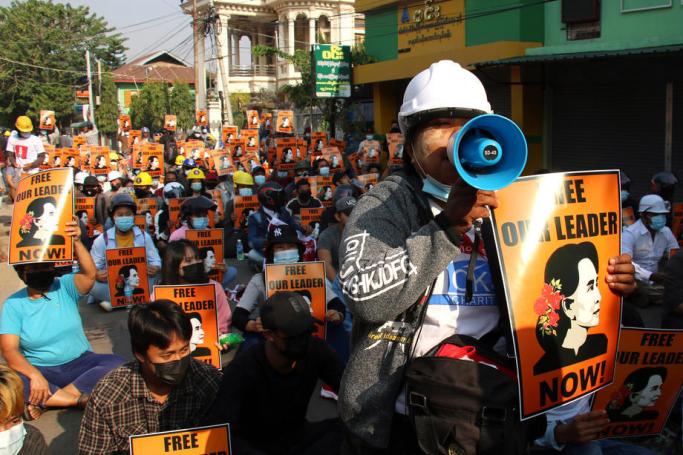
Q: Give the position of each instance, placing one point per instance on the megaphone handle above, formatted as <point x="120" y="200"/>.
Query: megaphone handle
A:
<point x="469" y="283"/>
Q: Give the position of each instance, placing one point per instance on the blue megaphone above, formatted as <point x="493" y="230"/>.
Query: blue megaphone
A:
<point x="489" y="152"/>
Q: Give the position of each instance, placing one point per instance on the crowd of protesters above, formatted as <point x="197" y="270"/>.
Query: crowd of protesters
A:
<point x="407" y="210"/>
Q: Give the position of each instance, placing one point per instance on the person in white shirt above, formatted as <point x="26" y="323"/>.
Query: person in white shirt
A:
<point x="25" y="153"/>
<point x="648" y="240"/>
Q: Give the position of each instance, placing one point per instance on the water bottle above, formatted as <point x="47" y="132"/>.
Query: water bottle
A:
<point x="75" y="268"/>
<point x="240" y="250"/>
<point x="128" y="293"/>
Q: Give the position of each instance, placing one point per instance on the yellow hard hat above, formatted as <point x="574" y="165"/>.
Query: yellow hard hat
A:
<point x="196" y="174"/>
<point x="24" y="124"/>
<point x="242" y="178"/>
<point x="7" y="133"/>
<point x="179" y="160"/>
<point x="113" y="156"/>
<point x="143" y="179"/>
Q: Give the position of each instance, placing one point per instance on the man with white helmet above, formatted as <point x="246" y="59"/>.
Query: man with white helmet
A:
<point x="411" y="230"/>
<point x="648" y="240"/>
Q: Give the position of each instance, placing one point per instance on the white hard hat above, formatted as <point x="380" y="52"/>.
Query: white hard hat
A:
<point x="79" y="179"/>
<point x="113" y="175"/>
<point x="445" y="85"/>
<point x="653" y="204"/>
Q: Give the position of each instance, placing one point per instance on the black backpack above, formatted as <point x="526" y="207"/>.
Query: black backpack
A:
<point x="467" y="407"/>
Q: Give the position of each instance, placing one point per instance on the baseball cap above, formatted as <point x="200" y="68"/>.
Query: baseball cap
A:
<point x="288" y="312"/>
<point x="653" y="204"/>
<point x="345" y="205"/>
<point x="91" y="181"/>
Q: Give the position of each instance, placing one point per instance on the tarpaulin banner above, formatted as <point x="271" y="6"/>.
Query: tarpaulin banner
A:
<point x="285" y="122"/>
<point x="42" y="207"/>
<point x="170" y="122"/>
<point x="646" y="384"/>
<point x="214" y="440"/>
<point x="47" y="120"/>
<point x="127" y="275"/>
<point x="253" y="120"/>
<point x="304" y="278"/>
<point x="198" y="301"/>
<point x="554" y="250"/>
<point x="243" y="207"/>
<point x="210" y="245"/>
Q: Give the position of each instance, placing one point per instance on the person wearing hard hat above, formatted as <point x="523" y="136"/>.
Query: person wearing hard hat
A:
<point x="419" y="219"/>
<point x="649" y="240"/>
<point x="664" y="184"/>
<point x="142" y="184"/>
<point x="25" y="153"/>
<point x="124" y="234"/>
<point x="79" y="178"/>
<point x="145" y="135"/>
<point x="195" y="184"/>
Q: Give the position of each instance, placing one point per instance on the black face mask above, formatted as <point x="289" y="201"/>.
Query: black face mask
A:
<point x="40" y="281"/>
<point x="305" y="196"/>
<point x="195" y="274"/>
<point x="173" y="372"/>
<point x="296" y="347"/>
<point x="90" y="191"/>
<point x="141" y="193"/>
<point x="115" y="187"/>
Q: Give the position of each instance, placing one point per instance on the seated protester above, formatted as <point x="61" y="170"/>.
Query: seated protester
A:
<point x="143" y="185"/>
<point x="124" y="234"/>
<point x="195" y="184"/>
<point x="259" y="175"/>
<point x="648" y="240"/>
<point x="42" y="338"/>
<point x="164" y="389"/>
<point x="301" y="170"/>
<point x="226" y="187"/>
<point x="627" y="200"/>
<point x="271" y="197"/>
<point x="265" y="392"/>
<point x="283" y="247"/>
<point x="328" y="217"/>
<point x="303" y="199"/>
<point x="330" y="239"/>
<point x="573" y="429"/>
<point x="15" y="437"/>
<point x="169" y="177"/>
<point x="182" y="265"/>
<point x="281" y="176"/>
<point x="321" y="167"/>
<point x="162" y="227"/>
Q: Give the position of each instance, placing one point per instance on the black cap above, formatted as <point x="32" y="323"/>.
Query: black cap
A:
<point x="91" y="181"/>
<point x="122" y="200"/>
<point x="192" y="204"/>
<point x="345" y="205"/>
<point x="288" y="312"/>
<point x="338" y="176"/>
<point x="283" y="233"/>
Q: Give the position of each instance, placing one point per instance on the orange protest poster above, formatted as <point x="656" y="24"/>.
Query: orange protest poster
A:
<point x="286" y="153"/>
<point x="228" y="134"/>
<point x="341" y="145"/>
<point x="85" y="161"/>
<point x="201" y="118"/>
<point x="301" y="149"/>
<point x="153" y="159"/>
<point x="198" y="301"/>
<point x="334" y="158"/>
<point x="217" y="197"/>
<point x="553" y="252"/>
<point x="124" y="122"/>
<point x="305" y="278"/>
<point x="210" y="245"/>
<point x="396" y="152"/>
<point x="311" y="217"/>
<point x="267" y="121"/>
<point x="676" y="218"/>
<point x="214" y="439"/>
<point x="47" y="120"/>
<point x="252" y="119"/>
<point x="127" y="276"/>
<point x="71" y="158"/>
<point x="194" y="150"/>
<point x="250" y="138"/>
<point x="628" y="217"/>
<point x="134" y="137"/>
<point x="147" y="205"/>
<point x="174" y="213"/>
<point x="42" y="207"/>
<point x="99" y="160"/>
<point x="395" y="137"/>
<point x="170" y="122"/>
<point x="243" y="207"/>
<point x="85" y="210"/>
<point x="78" y="141"/>
<point x="223" y="162"/>
<point x="646" y="384"/>
<point x="285" y="122"/>
<point x="237" y="148"/>
<point x="369" y="152"/>
<point x="318" y="142"/>
<point x="50" y="154"/>
<point x="368" y="180"/>
<point x="322" y="188"/>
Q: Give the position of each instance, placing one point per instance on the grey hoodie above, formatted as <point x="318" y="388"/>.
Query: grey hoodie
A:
<point x="392" y="250"/>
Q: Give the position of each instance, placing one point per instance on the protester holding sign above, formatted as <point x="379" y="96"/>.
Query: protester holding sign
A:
<point x="265" y="391"/>
<point x="124" y="234"/>
<point x="42" y="337"/>
<point x="303" y="199"/>
<point x="25" y="153"/>
<point x="412" y="231"/>
<point x="163" y="389"/>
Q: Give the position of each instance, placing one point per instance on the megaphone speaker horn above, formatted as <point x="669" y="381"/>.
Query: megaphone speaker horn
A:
<point x="489" y="152"/>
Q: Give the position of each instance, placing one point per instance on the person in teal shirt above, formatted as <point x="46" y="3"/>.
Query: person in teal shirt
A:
<point x="42" y="337"/>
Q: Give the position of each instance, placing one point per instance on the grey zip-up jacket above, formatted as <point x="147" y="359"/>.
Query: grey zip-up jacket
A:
<point x="392" y="250"/>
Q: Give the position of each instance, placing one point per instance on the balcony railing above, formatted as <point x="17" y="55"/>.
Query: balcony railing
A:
<point x="252" y="70"/>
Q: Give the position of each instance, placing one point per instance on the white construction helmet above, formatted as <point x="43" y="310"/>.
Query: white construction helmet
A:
<point x="653" y="204"/>
<point x="79" y="179"/>
<point x="443" y="88"/>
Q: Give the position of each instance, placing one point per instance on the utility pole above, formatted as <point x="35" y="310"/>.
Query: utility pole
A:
<point x="195" y="36"/>
<point x="89" y="74"/>
<point x="225" y="99"/>
<point x="98" y="100"/>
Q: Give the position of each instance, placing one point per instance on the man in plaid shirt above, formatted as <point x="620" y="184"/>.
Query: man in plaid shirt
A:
<point x="165" y="389"/>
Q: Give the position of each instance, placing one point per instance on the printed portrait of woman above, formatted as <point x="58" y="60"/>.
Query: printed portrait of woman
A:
<point x="128" y="281"/>
<point x="569" y="305"/>
<point x="285" y="122"/>
<point x="209" y="257"/>
<point x="287" y="155"/>
<point x="154" y="163"/>
<point x="83" y="217"/>
<point x="101" y="162"/>
<point x="640" y="392"/>
<point x="197" y="337"/>
<point x="39" y="223"/>
<point x="70" y="161"/>
<point x="325" y="193"/>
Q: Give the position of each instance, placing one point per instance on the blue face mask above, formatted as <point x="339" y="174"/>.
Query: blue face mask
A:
<point x="657" y="222"/>
<point x="286" y="257"/>
<point x="624" y="195"/>
<point x="245" y="192"/>
<point x="260" y="179"/>
<point x="437" y="189"/>
<point x="196" y="186"/>
<point x="200" y="223"/>
<point x="124" y="223"/>
<point x="325" y="171"/>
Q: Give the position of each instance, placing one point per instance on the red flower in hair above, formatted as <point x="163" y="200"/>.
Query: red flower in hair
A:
<point x="546" y="307"/>
<point x="26" y="223"/>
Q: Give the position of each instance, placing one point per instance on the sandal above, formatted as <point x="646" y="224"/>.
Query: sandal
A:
<point x="32" y="412"/>
<point x="82" y="400"/>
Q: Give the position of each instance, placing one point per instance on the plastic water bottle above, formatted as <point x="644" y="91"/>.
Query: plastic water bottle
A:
<point x="128" y="293"/>
<point x="75" y="268"/>
<point x="240" y="250"/>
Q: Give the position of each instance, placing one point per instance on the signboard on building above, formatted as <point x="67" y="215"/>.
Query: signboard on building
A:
<point x="332" y="69"/>
<point x="429" y="26"/>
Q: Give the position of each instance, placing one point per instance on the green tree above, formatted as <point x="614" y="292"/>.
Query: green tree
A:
<point x="108" y="110"/>
<point x="150" y="105"/>
<point x="43" y="56"/>
<point x="181" y="104"/>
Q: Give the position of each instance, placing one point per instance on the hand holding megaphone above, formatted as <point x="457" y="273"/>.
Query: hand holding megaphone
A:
<point x="467" y="204"/>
